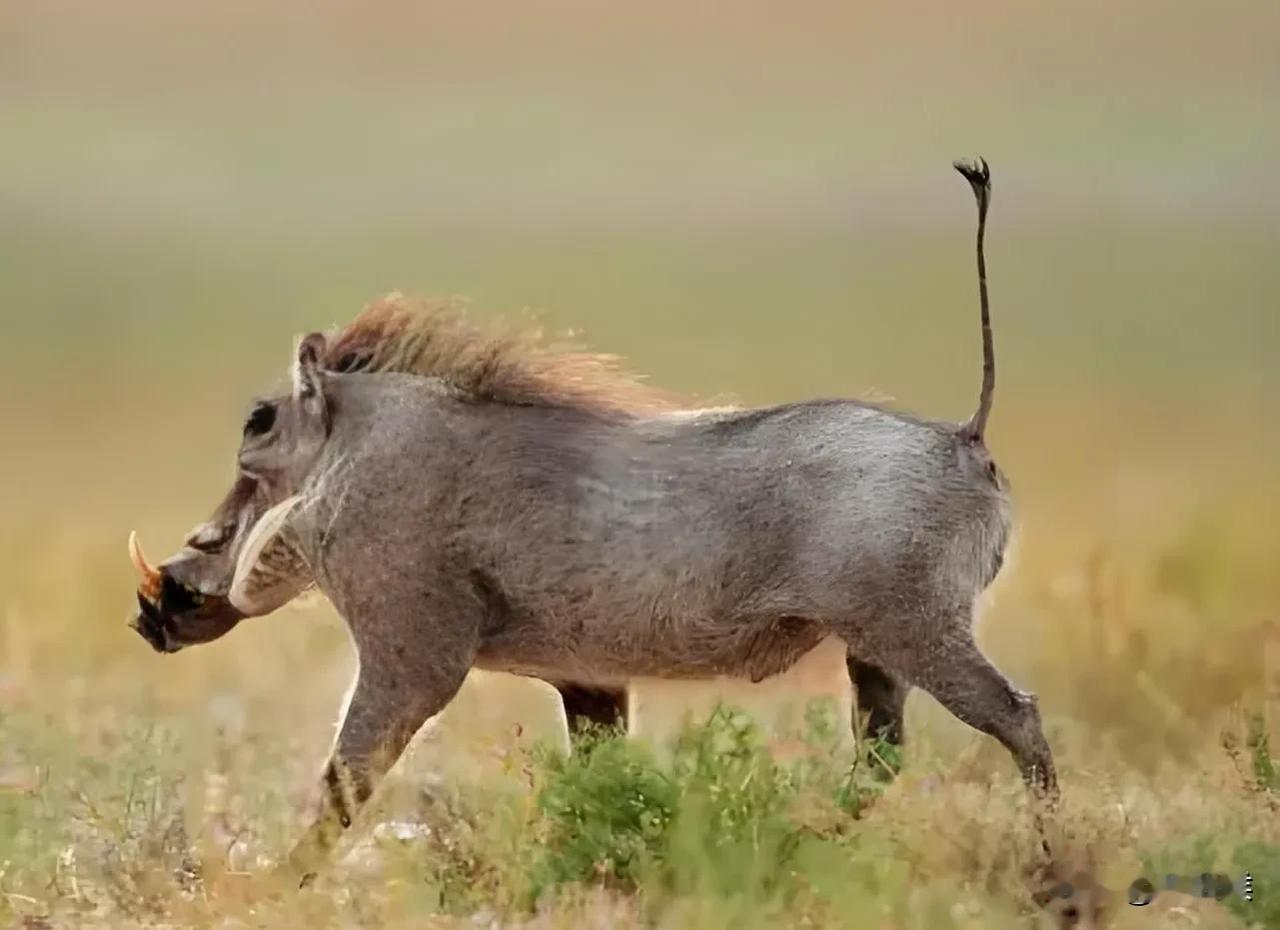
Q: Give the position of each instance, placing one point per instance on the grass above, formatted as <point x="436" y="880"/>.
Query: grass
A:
<point x="712" y="833"/>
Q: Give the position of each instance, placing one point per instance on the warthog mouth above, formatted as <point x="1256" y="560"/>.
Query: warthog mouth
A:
<point x="151" y="625"/>
<point x="172" y="614"/>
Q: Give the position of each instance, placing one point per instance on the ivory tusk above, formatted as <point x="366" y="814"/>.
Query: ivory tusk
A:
<point x="151" y="577"/>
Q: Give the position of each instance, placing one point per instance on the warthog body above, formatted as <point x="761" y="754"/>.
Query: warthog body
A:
<point x="468" y="501"/>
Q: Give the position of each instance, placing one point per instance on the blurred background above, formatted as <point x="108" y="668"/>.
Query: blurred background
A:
<point x="752" y="201"/>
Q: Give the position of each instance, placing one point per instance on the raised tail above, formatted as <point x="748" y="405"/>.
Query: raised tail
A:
<point x="978" y="175"/>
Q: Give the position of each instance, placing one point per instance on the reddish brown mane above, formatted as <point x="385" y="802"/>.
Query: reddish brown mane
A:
<point x="434" y="338"/>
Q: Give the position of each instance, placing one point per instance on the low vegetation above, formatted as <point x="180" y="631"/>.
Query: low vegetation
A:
<point x="141" y="821"/>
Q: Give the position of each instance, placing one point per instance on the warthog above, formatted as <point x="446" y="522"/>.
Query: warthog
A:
<point x="476" y="500"/>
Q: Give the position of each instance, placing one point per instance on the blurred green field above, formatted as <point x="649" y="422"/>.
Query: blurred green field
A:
<point x="756" y="206"/>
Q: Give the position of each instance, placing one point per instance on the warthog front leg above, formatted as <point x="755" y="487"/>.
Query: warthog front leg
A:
<point x="395" y="695"/>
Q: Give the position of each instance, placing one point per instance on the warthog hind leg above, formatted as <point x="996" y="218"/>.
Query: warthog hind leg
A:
<point x="949" y="665"/>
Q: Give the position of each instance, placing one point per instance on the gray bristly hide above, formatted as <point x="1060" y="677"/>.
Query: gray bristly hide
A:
<point x="455" y="529"/>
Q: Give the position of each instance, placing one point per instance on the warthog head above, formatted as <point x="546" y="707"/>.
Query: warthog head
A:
<point x="217" y="578"/>
<point x="238" y="564"/>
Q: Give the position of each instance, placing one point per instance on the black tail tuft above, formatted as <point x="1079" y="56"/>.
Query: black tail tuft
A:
<point x="978" y="175"/>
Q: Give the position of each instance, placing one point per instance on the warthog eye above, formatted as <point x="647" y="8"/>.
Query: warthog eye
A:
<point x="261" y="420"/>
<point x="211" y="537"/>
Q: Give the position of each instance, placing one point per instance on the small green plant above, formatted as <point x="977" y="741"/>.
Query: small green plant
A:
<point x="715" y="820"/>
<point x="1265" y="770"/>
<point x="608" y="809"/>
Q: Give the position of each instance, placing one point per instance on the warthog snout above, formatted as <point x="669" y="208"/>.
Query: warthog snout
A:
<point x="174" y="609"/>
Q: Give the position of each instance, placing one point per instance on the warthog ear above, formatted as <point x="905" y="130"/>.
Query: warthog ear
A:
<point x="306" y="370"/>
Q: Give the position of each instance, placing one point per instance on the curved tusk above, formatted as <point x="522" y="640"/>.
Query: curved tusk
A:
<point x="151" y="577"/>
